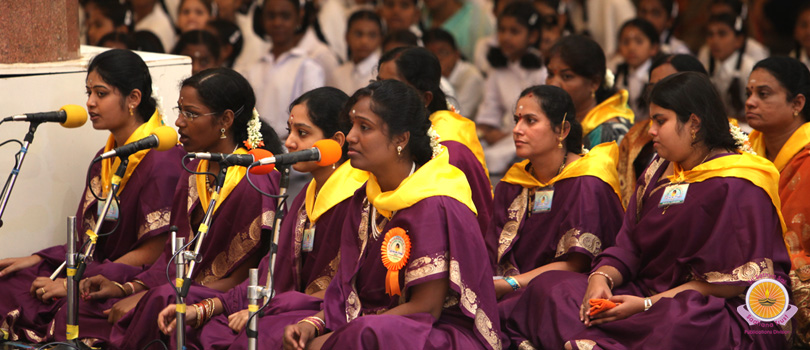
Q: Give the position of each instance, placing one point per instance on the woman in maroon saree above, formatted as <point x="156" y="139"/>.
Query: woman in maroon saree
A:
<point x="302" y="273"/>
<point x="419" y="68"/>
<point x="215" y="111"/>
<point x="411" y="273"/>
<point x="120" y="100"/>
<point x="679" y="267"/>
<point x="582" y="212"/>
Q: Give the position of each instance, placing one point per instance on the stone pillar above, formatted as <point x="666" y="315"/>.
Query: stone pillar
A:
<point x="36" y="31"/>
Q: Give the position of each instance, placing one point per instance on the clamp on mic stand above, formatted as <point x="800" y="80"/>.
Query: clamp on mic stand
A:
<point x="183" y="284"/>
<point x="12" y="178"/>
<point x="180" y="263"/>
<point x="256" y="292"/>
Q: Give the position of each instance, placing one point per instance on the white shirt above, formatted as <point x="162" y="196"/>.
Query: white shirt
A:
<point x="253" y="47"/>
<point x="802" y="57"/>
<point x="753" y="49"/>
<point x="320" y="53"/>
<point x="350" y="77"/>
<point x="158" y="23"/>
<point x="724" y="73"/>
<point x="279" y="81"/>
<point x="605" y="17"/>
<point x="469" y="85"/>
<point x="675" y="46"/>
<point x="637" y="79"/>
<point x="501" y="92"/>
<point x="480" y="52"/>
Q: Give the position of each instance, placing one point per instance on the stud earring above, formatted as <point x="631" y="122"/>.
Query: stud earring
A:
<point x="223" y="134"/>
<point x="131" y="111"/>
<point x="399" y="151"/>
<point x="795" y="113"/>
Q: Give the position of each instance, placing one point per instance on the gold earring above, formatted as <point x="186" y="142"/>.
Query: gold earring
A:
<point x="131" y="111"/>
<point x="796" y="113"/>
<point x="562" y="129"/>
<point x="223" y="134"/>
<point x="333" y="166"/>
<point x="593" y="94"/>
<point x="399" y="151"/>
<point x="559" y="142"/>
<point x="694" y="135"/>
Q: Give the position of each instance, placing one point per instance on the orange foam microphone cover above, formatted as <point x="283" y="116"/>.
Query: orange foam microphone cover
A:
<point x="261" y="153"/>
<point x="330" y="152"/>
<point x="76" y="116"/>
<point x="167" y="137"/>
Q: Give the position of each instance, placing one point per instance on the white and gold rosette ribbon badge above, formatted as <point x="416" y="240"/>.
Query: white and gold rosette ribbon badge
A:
<point x="396" y="248"/>
<point x="767" y="300"/>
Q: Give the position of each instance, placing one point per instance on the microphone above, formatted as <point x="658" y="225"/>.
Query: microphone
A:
<point x="240" y="159"/>
<point x="324" y="152"/>
<point x="70" y="116"/>
<point x="162" y="138"/>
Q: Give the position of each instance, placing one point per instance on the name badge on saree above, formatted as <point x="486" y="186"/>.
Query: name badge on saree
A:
<point x="112" y="213"/>
<point x="308" y="240"/>
<point x="674" y="194"/>
<point x="542" y="200"/>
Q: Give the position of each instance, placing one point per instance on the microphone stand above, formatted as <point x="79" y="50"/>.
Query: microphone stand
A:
<point x="256" y="292"/>
<point x="72" y="284"/>
<point x="77" y="262"/>
<point x="183" y="284"/>
<point x="12" y="178"/>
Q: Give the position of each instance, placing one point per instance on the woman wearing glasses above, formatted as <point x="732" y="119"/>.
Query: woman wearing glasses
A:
<point x="119" y="99"/>
<point x="216" y="116"/>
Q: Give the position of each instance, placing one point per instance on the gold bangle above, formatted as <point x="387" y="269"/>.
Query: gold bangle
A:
<point x="609" y="279"/>
<point x="141" y="283"/>
<point x="317" y="329"/>
<point x="120" y="286"/>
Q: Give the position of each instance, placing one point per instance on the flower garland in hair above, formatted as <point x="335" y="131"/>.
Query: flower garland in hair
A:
<point x="254" y="126"/>
<point x="610" y="79"/>
<point x="740" y="139"/>
<point x="434" y="142"/>
<point x="158" y="100"/>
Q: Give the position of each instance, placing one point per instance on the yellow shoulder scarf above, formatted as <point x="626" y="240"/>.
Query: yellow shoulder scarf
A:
<point x="340" y="185"/>
<point x="453" y="127"/>
<point x="233" y="177"/>
<point x="600" y="162"/>
<point x="614" y="106"/>
<point x="757" y="170"/>
<point x="797" y="141"/>
<point x="435" y="178"/>
<point x="109" y="165"/>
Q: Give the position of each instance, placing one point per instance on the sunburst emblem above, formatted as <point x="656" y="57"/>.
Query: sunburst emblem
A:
<point x="767" y="299"/>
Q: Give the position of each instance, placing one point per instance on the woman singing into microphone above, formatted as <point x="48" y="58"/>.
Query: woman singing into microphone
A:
<point x="215" y="115"/>
<point x="120" y="100"/>
<point x="308" y="241"/>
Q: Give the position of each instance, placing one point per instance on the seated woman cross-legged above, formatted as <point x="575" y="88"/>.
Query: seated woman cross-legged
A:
<point x="703" y="225"/>
<point x="309" y="239"/>
<point x="557" y="209"/>
<point x="411" y="272"/>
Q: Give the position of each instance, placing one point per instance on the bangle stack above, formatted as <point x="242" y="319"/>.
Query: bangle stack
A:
<point x="317" y="322"/>
<point x="205" y="311"/>
<point x="609" y="280"/>
<point x="512" y="282"/>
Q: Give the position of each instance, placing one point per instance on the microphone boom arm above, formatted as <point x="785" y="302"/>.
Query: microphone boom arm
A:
<point x="12" y="178"/>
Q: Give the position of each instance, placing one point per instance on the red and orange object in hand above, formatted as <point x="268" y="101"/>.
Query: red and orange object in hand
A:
<point x="396" y="249"/>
